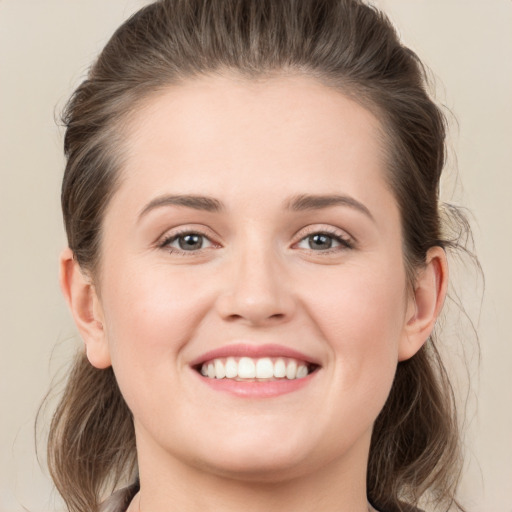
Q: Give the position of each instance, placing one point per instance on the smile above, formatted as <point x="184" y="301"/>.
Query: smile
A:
<point x="255" y="371"/>
<point x="262" y="369"/>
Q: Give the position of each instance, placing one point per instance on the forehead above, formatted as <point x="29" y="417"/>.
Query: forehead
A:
<point x="290" y="133"/>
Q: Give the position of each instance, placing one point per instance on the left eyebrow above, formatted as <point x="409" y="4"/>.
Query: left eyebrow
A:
<point x="204" y="203"/>
<point x="319" y="202"/>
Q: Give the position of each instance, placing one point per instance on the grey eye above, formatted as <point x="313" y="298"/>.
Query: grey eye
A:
<point x="190" y="242"/>
<point x="320" y="241"/>
<point x="187" y="242"/>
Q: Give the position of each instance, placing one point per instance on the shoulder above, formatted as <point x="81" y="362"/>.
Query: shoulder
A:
<point x="120" y="500"/>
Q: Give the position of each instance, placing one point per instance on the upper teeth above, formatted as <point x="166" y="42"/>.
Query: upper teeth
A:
<point x="249" y="368"/>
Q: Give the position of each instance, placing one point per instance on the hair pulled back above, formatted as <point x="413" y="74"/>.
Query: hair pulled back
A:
<point x="346" y="44"/>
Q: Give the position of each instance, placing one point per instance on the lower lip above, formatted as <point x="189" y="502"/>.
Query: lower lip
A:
<point x="254" y="389"/>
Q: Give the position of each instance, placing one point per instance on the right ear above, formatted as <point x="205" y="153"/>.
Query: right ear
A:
<point x="83" y="301"/>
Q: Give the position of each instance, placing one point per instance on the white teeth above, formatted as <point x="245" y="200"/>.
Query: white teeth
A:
<point x="263" y="368"/>
<point x="302" y="371"/>
<point x="220" y="372"/>
<point x="246" y="368"/>
<point x="291" y="370"/>
<point x="231" y="368"/>
<point x="280" y="369"/>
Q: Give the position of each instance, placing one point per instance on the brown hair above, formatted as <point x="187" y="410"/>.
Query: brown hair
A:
<point x="346" y="44"/>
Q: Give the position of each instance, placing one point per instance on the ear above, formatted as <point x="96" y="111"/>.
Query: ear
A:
<point x="425" y="303"/>
<point x="85" y="307"/>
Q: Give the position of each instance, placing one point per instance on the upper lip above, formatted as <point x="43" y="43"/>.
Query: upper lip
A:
<point x="253" y="351"/>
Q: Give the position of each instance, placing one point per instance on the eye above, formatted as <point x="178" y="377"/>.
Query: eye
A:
<point x="324" y="241"/>
<point x="186" y="242"/>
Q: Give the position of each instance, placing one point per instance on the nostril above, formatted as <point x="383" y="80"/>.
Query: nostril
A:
<point x="233" y="317"/>
<point x="277" y="317"/>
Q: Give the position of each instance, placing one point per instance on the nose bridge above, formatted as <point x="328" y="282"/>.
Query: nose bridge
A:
<point x="257" y="289"/>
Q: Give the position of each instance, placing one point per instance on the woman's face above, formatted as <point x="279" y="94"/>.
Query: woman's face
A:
<point x="253" y="230"/>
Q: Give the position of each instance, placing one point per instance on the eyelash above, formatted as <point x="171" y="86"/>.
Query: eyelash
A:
<point x="344" y="241"/>
<point x="165" y="243"/>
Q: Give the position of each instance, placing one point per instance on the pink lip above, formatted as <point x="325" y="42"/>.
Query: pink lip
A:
<point x="254" y="351"/>
<point x="255" y="389"/>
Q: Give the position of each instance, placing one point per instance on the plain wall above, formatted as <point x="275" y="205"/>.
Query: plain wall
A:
<point x="45" y="49"/>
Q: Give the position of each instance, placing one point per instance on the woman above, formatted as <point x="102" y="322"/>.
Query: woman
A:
<point x="256" y="264"/>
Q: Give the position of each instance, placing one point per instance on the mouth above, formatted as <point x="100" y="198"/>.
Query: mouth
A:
<point x="252" y="369"/>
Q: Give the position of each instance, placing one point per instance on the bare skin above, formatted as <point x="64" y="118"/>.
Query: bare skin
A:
<point x="294" y="243"/>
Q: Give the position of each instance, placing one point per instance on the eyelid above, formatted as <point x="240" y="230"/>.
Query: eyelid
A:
<point x="192" y="229"/>
<point x="345" y="238"/>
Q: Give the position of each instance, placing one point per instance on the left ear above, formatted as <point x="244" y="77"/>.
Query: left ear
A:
<point x="425" y="303"/>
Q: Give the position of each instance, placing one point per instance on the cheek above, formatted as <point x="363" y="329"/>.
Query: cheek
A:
<point x="361" y="314"/>
<point x="151" y="314"/>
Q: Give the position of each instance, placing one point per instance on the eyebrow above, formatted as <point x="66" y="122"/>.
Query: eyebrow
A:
<point x="318" y="202"/>
<point x="204" y="203"/>
<point x="297" y="203"/>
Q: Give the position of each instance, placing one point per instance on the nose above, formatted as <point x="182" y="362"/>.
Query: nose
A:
<point x="257" y="290"/>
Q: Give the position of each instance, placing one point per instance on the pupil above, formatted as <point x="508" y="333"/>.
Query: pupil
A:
<point x="189" y="242"/>
<point x="320" y="241"/>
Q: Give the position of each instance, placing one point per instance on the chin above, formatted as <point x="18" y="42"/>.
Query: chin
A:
<point x="263" y="469"/>
<point x="256" y="459"/>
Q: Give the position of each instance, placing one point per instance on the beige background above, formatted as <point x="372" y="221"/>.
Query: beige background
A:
<point x="45" y="48"/>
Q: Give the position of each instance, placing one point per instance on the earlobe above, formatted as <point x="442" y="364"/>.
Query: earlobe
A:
<point x="85" y="307"/>
<point x="426" y="303"/>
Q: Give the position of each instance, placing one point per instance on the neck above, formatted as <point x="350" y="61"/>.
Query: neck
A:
<point x="168" y="484"/>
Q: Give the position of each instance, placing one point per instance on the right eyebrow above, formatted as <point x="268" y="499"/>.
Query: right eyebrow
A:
<point x="318" y="202"/>
<point x="204" y="203"/>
